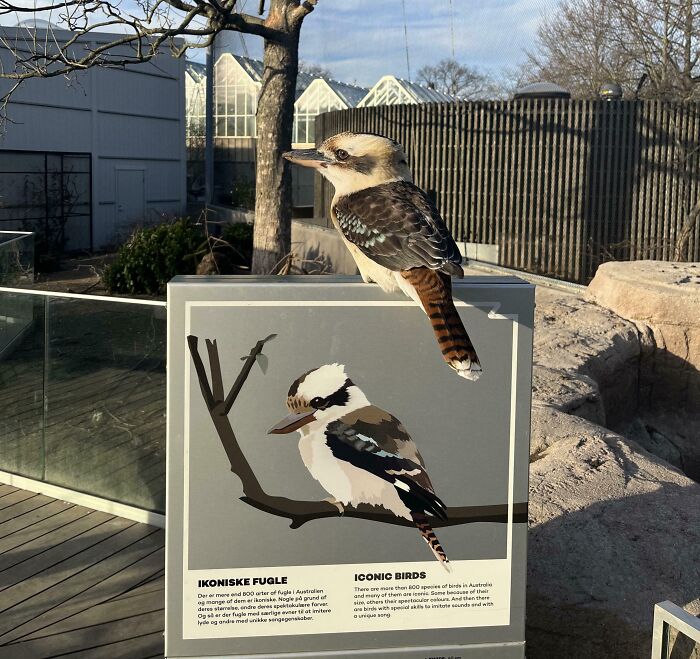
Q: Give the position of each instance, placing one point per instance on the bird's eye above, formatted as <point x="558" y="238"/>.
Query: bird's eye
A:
<point x="342" y="154"/>
<point x="316" y="402"/>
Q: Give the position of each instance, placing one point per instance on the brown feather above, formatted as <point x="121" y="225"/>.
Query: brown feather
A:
<point x="434" y="289"/>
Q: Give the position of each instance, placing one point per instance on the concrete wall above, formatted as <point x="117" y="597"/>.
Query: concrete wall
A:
<point x="309" y="242"/>
<point x="131" y="121"/>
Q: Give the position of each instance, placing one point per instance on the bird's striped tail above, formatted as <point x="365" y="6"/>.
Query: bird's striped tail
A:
<point x="433" y="291"/>
<point x="421" y="522"/>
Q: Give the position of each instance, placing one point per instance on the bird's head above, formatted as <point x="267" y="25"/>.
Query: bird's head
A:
<point x="355" y="161"/>
<point x="323" y="394"/>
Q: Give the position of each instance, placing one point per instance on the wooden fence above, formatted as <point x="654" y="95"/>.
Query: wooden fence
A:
<point x="559" y="185"/>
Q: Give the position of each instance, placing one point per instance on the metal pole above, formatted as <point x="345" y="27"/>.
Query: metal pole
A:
<point x="209" y="130"/>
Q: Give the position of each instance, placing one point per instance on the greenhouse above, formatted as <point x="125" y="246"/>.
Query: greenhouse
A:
<point x="390" y="90"/>
<point x="320" y="96"/>
<point x="237" y="86"/>
<point x="237" y="83"/>
<point x="195" y="98"/>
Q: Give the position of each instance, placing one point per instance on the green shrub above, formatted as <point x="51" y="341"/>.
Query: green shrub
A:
<point x="153" y="256"/>
<point x="242" y="195"/>
<point x="240" y="237"/>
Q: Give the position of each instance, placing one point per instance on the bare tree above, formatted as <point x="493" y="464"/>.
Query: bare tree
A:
<point x="463" y="82"/>
<point x="650" y="47"/>
<point x="315" y="70"/>
<point x="145" y="27"/>
<point x="577" y="48"/>
<point x="661" y="38"/>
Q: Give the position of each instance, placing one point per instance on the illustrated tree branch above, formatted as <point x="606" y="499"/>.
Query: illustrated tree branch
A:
<point x="297" y="511"/>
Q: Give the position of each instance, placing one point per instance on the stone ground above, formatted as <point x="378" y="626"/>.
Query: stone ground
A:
<point x="614" y="528"/>
<point x="77" y="275"/>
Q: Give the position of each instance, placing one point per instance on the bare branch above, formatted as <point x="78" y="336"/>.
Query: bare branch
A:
<point x="306" y="8"/>
<point x="300" y="512"/>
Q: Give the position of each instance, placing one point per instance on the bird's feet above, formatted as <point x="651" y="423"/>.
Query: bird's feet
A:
<point x="337" y="504"/>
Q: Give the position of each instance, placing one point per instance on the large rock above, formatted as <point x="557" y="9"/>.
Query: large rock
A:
<point x="666" y="298"/>
<point x="613" y="530"/>
<point x="586" y="358"/>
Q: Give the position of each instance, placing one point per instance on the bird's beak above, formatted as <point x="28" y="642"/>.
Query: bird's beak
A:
<point x="291" y="423"/>
<point x="307" y="158"/>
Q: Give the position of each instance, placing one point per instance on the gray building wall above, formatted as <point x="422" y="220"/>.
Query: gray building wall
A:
<point x="132" y="123"/>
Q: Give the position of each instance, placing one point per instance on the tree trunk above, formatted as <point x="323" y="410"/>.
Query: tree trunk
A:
<point x="275" y="117"/>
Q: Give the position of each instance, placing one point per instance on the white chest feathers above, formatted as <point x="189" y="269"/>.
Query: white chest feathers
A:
<point x="345" y="482"/>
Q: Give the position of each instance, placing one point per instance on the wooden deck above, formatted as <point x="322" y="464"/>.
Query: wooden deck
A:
<point x="77" y="583"/>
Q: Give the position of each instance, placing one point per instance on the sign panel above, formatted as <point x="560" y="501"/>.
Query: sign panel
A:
<point x="332" y="485"/>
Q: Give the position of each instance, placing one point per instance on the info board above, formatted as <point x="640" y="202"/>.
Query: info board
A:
<point x="335" y="489"/>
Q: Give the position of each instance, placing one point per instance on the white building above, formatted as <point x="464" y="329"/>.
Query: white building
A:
<point x="322" y="95"/>
<point x="390" y="90"/>
<point x="237" y="82"/>
<point x="101" y="152"/>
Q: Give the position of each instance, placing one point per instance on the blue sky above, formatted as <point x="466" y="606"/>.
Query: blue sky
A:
<point x="360" y="40"/>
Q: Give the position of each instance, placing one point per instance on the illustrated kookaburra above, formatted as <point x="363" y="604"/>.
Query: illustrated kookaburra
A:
<point x="359" y="453"/>
<point x="394" y="232"/>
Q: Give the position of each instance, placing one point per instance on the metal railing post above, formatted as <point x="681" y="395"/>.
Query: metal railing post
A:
<point x="667" y="615"/>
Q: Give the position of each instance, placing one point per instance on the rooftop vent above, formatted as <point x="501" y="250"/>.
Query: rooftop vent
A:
<point x="541" y="90"/>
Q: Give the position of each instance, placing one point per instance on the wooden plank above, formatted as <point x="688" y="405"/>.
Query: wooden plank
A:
<point x="460" y="192"/>
<point x="144" y="633"/>
<point x="653" y="147"/>
<point x="48" y="533"/>
<point x="479" y="178"/>
<point x="12" y="498"/>
<point x="86" y="590"/>
<point x="673" y="177"/>
<point x="509" y="178"/>
<point x="520" y="176"/>
<point x="43" y="507"/>
<point x="542" y="197"/>
<point x="499" y="181"/>
<point x="635" y="166"/>
<point x="525" y="233"/>
<point x="114" y="610"/>
<point x="627" y="184"/>
<point x="694" y="178"/>
<point x="73" y="555"/>
<point x="578" y="244"/>
<point x="6" y="489"/>
<point x="153" y="583"/>
<point x="559" y="216"/>
<point x="146" y="646"/>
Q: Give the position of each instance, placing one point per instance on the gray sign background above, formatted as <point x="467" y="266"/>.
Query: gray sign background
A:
<point x="461" y="428"/>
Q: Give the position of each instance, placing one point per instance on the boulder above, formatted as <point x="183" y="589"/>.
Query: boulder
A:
<point x="613" y="530"/>
<point x="591" y="356"/>
<point x="666" y="298"/>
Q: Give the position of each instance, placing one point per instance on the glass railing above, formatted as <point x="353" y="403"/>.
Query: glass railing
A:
<point x="82" y="393"/>
<point x="16" y="258"/>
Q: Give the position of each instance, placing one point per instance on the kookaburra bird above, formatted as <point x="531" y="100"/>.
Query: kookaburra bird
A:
<point x="359" y="453"/>
<point x="394" y="232"/>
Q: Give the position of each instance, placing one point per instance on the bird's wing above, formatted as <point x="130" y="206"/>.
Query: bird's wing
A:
<point x="365" y="446"/>
<point x="397" y="226"/>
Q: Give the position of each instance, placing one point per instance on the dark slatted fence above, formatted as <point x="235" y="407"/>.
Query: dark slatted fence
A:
<point x="560" y="186"/>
